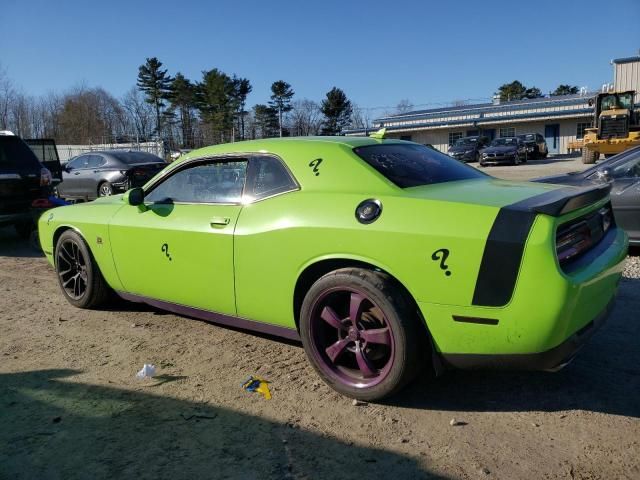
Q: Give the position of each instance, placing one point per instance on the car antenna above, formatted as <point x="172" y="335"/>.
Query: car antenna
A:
<point x="379" y="134"/>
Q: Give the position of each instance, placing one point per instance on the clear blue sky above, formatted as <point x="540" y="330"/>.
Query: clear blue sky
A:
<point x="377" y="52"/>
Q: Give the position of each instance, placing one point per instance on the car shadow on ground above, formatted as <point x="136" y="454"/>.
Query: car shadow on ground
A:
<point x="604" y="377"/>
<point x="11" y="245"/>
<point x="553" y="159"/>
<point x="55" y="427"/>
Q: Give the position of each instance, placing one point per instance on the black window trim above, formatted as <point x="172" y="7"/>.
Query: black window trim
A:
<point x="235" y="157"/>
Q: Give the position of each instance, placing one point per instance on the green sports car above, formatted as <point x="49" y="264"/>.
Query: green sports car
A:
<point x="381" y="256"/>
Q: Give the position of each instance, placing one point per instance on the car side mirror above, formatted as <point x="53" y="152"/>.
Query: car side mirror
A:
<point x="67" y="168"/>
<point x="134" y="197"/>
<point x="604" y="174"/>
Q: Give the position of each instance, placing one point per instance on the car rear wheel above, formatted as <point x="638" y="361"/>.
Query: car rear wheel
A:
<point x="78" y="274"/>
<point x="361" y="333"/>
<point x="105" y="189"/>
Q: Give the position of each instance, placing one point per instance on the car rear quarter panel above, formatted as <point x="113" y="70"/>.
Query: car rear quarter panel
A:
<point x="278" y="238"/>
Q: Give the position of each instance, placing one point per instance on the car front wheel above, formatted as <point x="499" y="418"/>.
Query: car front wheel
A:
<point x="78" y="274"/>
<point x="361" y="333"/>
<point x="105" y="189"/>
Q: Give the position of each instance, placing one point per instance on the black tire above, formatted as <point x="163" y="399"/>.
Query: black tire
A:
<point x="405" y="341"/>
<point x="589" y="156"/>
<point x="105" y="189"/>
<point x="95" y="290"/>
<point x="516" y="160"/>
<point x="24" y="229"/>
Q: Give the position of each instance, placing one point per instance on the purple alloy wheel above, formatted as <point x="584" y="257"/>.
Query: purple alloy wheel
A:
<point x="352" y="339"/>
<point x="72" y="269"/>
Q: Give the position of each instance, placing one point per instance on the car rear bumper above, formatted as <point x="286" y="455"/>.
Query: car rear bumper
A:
<point x="552" y="359"/>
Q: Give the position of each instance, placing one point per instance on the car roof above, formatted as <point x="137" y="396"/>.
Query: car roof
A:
<point x="273" y="144"/>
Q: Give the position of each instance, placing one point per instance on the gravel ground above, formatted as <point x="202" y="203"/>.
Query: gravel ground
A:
<point x="71" y="407"/>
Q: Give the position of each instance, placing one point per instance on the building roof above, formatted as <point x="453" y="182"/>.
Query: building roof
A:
<point x="626" y="60"/>
<point x="504" y="112"/>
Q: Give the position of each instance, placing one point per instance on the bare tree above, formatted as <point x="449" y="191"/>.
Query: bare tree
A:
<point x="361" y="117"/>
<point x="140" y="114"/>
<point x="305" y="118"/>
<point x="404" y="106"/>
<point x="7" y="93"/>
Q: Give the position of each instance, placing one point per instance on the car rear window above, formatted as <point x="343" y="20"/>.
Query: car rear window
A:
<point x="15" y="153"/>
<point x="412" y="165"/>
<point x="131" y="158"/>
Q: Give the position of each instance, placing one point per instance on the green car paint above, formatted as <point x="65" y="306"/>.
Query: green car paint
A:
<point x="430" y="238"/>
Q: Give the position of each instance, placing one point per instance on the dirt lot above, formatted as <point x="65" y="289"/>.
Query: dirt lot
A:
<point x="71" y="407"/>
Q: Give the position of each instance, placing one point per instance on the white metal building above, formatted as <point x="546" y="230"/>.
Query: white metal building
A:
<point x="560" y="119"/>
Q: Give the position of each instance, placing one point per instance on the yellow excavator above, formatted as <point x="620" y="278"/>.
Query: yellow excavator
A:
<point x="616" y="126"/>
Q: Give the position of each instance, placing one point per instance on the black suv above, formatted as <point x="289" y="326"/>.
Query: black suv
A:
<point x="536" y="145"/>
<point x="468" y="149"/>
<point x="23" y="179"/>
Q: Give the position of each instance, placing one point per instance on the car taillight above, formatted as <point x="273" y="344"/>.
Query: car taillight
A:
<point x="572" y="241"/>
<point x="45" y="177"/>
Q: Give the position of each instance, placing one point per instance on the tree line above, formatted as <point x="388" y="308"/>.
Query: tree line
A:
<point x="188" y="114"/>
<point x="516" y="90"/>
<point x="182" y="112"/>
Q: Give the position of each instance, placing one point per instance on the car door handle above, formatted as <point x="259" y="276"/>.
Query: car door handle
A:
<point x="76" y="173"/>
<point x="220" y="221"/>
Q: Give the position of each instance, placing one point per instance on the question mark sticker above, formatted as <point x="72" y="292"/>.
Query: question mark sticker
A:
<point x="165" y="249"/>
<point x="442" y="255"/>
<point x="315" y="164"/>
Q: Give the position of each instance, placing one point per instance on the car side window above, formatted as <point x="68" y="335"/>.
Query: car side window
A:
<point x="95" y="161"/>
<point x="267" y="177"/>
<point x="207" y="182"/>
<point x="629" y="169"/>
<point x="79" y="162"/>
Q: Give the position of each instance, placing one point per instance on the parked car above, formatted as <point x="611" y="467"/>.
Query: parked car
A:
<point x="536" y="145"/>
<point x="622" y="172"/>
<point x="468" y="149"/>
<point x="422" y="259"/>
<point x="23" y="179"/>
<point x="509" y="150"/>
<point x="103" y="173"/>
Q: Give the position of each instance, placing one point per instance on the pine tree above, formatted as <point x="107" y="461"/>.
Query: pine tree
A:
<point x="156" y="85"/>
<point x="183" y="99"/>
<point x="266" y="120"/>
<point x="241" y="89"/>
<point x="281" y="94"/>
<point x="215" y="102"/>
<point x="337" y="111"/>
<point x="565" y="90"/>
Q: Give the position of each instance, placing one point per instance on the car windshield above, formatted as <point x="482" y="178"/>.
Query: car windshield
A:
<point x="132" y="158"/>
<point x="411" y="165"/>
<point x="612" y="163"/>
<point x="466" y="141"/>
<point x="615" y="101"/>
<point x="501" y="142"/>
<point x="527" y="136"/>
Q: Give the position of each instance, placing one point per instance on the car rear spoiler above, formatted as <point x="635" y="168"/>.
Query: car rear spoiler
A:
<point x="561" y="201"/>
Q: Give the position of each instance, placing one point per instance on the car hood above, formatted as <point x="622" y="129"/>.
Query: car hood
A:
<point x="461" y="149"/>
<point x="112" y="199"/>
<point x="501" y="149"/>
<point x="490" y="192"/>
